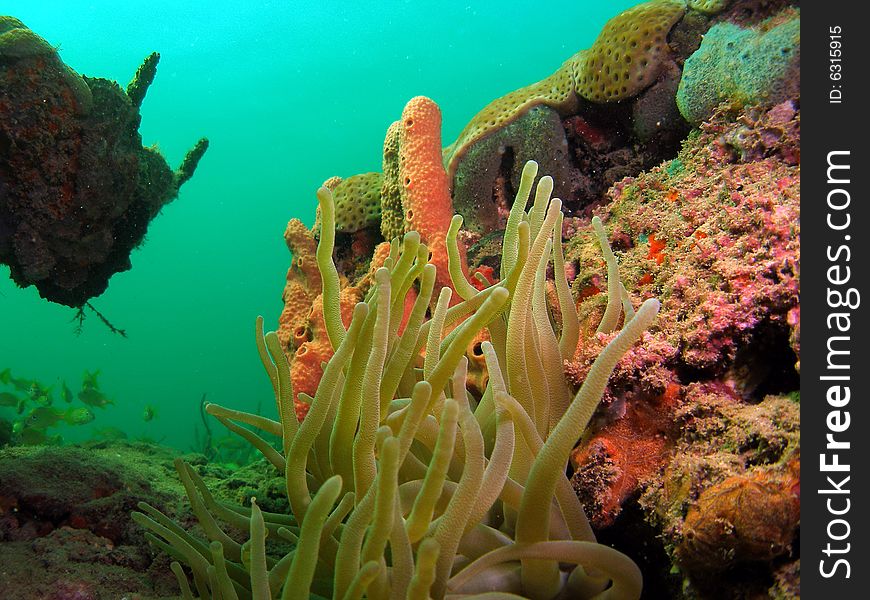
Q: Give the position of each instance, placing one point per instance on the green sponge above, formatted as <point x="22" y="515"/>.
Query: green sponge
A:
<point x="742" y="67"/>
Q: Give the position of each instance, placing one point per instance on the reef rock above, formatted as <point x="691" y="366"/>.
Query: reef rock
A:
<point x="77" y="189"/>
<point x="742" y="67"/>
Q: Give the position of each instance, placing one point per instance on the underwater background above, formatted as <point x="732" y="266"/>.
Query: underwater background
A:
<point x="289" y="94"/>
<point x="662" y="141"/>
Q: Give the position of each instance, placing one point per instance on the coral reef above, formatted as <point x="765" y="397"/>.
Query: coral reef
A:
<point x="77" y="189"/>
<point x="616" y="102"/>
<point x="425" y="416"/>
<point x="714" y="233"/>
<point x="698" y="425"/>
<point x="626" y="58"/>
<point x="437" y="492"/>
<point x="743" y="67"/>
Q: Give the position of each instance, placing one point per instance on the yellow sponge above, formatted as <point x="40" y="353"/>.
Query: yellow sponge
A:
<point x="358" y="202"/>
<point x="629" y="51"/>
<point x="392" y="216"/>
<point x="708" y="7"/>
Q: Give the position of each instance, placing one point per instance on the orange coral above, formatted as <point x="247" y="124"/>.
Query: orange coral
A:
<point x="301" y="326"/>
<point x="656" y="249"/>
<point x="315" y="349"/>
<point x="611" y="466"/>
<point x="428" y="207"/>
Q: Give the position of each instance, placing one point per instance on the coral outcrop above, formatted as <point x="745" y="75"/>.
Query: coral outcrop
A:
<point x="696" y="424"/>
<point x="538" y="134"/>
<point x="357" y="202"/>
<point x="425" y="418"/>
<point x="77" y="189"/>
<point x="713" y="230"/>
<point x="617" y="95"/>
<point x="629" y="53"/>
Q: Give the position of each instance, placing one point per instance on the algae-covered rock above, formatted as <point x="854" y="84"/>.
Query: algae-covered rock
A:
<point x="537" y="135"/>
<point x="742" y="67"/>
<point x="77" y="189"/>
<point x="66" y="509"/>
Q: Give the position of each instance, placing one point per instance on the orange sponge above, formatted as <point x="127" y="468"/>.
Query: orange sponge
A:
<point x="303" y="285"/>
<point x="426" y="198"/>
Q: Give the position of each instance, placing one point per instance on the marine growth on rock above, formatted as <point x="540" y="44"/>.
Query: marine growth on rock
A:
<point x="78" y="189"/>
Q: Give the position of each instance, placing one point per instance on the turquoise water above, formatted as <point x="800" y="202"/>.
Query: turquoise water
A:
<point x="289" y="94"/>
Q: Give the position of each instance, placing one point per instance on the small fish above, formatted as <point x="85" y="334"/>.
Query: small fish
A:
<point x="40" y="394"/>
<point x="66" y="393"/>
<point x="42" y="417"/>
<point x="11" y="400"/>
<point x="110" y="433"/>
<point x="22" y="385"/>
<point x="8" y="399"/>
<point x="149" y="413"/>
<point x="78" y="416"/>
<point x="94" y="397"/>
<point x="89" y="380"/>
<point x="37" y="437"/>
